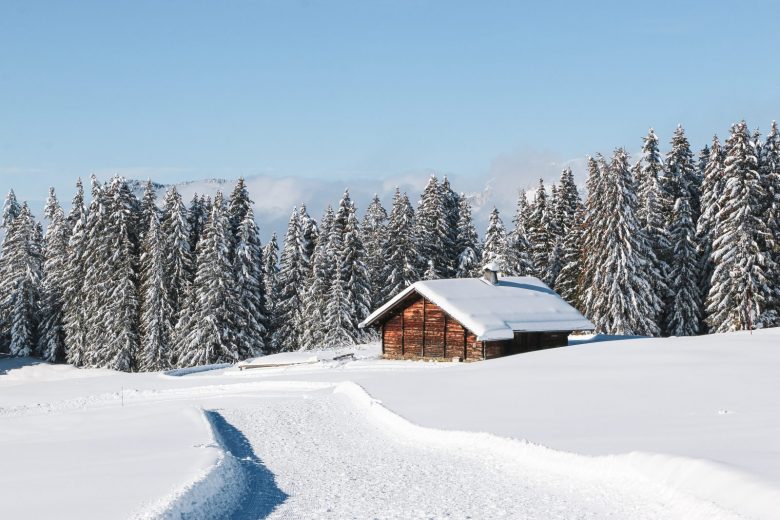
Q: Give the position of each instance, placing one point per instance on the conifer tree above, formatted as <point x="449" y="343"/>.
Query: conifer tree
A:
<point x="290" y="284"/>
<point x="352" y="270"/>
<point x="711" y="191"/>
<point x="519" y="246"/>
<point x="250" y="285"/>
<point x="451" y="203"/>
<point x="177" y="253"/>
<point x="147" y="208"/>
<point x="270" y="277"/>
<point x="431" y="230"/>
<point x="649" y="170"/>
<point x="401" y="253"/>
<point x="318" y="286"/>
<point x="684" y="309"/>
<point x="567" y="282"/>
<point x="373" y="232"/>
<point x="51" y="338"/>
<point x="494" y="248"/>
<point x="309" y="236"/>
<point x="111" y="281"/>
<point x="20" y="267"/>
<point x="11" y="209"/>
<point x="739" y="296"/>
<point x="470" y="254"/>
<point x="593" y="232"/>
<point x="196" y="221"/>
<point x="539" y="233"/>
<point x="208" y="327"/>
<point x="680" y="177"/>
<point x="156" y="309"/>
<point x="239" y="205"/>
<point x="770" y="176"/>
<point x="623" y="300"/>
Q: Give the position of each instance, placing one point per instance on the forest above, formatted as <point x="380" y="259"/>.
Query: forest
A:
<point x="671" y="244"/>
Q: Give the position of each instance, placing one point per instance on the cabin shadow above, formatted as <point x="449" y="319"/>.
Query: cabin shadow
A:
<point x="261" y="496"/>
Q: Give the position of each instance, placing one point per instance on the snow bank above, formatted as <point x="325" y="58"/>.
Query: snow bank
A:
<point x="689" y="483"/>
<point x="178" y="372"/>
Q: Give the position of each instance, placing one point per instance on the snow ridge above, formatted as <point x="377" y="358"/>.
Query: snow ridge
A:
<point x="694" y="489"/>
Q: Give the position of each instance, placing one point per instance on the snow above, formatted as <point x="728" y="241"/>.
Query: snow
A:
<point x="493" y="312"/>
<point x="627" y="428"/>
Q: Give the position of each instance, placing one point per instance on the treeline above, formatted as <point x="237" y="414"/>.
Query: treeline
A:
<point x="671" y="244"/>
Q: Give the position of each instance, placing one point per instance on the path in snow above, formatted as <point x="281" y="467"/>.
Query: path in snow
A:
<point x="334" y="460"/>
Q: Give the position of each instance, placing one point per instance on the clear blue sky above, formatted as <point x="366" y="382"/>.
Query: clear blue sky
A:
<point x="190" y="89"/>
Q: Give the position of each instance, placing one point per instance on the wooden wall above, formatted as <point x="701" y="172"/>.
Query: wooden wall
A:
<point x="419" y="329"/>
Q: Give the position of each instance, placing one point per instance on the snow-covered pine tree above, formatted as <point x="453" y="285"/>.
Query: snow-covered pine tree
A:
<point x="684" y="309"/>
<point x="156" y="309"/>
<point x="494" y="248"/>
<point x="539" y="232"/>
<point x="248" y="266"/>
<point x="711" y="191"/>
<point x="567" y="283"/>
<point x="73" y="298"/>
<point x="451" y="201"/>
<point x="270" y="277"/>
<point x="569" y="201"/>
<point x="51" y="337"/>
<point x="354" y="274"/>
<point x="739" y="292"/>
<point x="207" y="329"/>
<point x="649" y="169"/>
<point x="239" y="204"/>
<point x="594" y="229"/>
<point x="196" y="220"/>
<point x="770" y="176"/>
<point x="519" y="246"/>
<point x="680" y="175"/>
<point x="337" y="309"/>
<point x="113" y="336"/>
<point x="11" y="209"/>
<point x="402" y="258"/>
<point x="373" y="230"/>
<point x="309" y="236"/>
<point x="318" y="284"/>
<point x="177" y="253"/>
<point x="290" y="285"/>
<point x="21" y="269"/>
<point x="467" y="242"/>
<point x="148" y="206"/>
<point x="431" y="232"/>
<point x="623" y="300"/>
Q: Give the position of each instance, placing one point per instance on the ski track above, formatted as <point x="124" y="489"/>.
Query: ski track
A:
<point x="333" y="458"/>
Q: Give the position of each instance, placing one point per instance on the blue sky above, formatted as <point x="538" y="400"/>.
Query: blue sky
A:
<point x="181" y="90"/>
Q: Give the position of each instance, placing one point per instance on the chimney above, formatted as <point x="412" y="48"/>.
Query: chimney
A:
<point x="490" y="273"/>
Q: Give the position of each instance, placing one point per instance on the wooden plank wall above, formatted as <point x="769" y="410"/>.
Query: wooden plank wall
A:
<point x="423" y="330"/>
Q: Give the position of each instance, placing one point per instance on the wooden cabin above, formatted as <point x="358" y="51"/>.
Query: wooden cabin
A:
<point x="474" y="318"/>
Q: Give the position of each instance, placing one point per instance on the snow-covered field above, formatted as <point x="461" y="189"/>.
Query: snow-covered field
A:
<point x="636" y="428"/>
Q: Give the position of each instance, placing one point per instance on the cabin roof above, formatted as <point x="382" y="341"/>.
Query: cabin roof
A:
<point x="495" y="312"/>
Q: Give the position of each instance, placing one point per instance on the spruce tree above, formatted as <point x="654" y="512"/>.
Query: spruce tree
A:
<point x="770" y="176"/>
<point x="494" y="248"/>
<point x="51" y="338"/>
<point x="177" y="253"/>
<point x="451" y="203"/>
<point x="680" y="177"/>
<point x="11" y="209"/>
<point x="196" y="221"/>
<point x="156" y="309"/>
<point x="740" y="296"/>
<point x="20" y="266"/>
<point x="567" y="283"/>
<point x="251" y="309"/>
<point x="539" y="233"/>
<point x="318" y="285"/>
<point x="711" y="191"/>
<point x="207" y="331"/>
<point x="270" y="277"/>
<point x="352" y="270"/>
<point x="73" y="298"/>
<point x="623" y="300"/>
<point x="290" y="285"/>
<point x="239" y="205"/>
<point x="148" y="206"/>
<point x="431" y="231"/>
<point x="373" y="230"/>
<point x="402" y="258"/>
<point x="519" y="246"/>
<point x="593" y="232"/>
<point x="467" y="242"/>
<point x="684" y="309"/>
<point x="649" y="170"/>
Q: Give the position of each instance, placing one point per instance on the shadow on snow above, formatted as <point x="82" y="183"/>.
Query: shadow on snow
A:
<point x="260" y="495"/>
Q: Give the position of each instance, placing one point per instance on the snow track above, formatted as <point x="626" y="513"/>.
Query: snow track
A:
<point x="342" y="455"/>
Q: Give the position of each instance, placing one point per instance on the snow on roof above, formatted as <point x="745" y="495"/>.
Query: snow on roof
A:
<point x="494" y="312"/>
